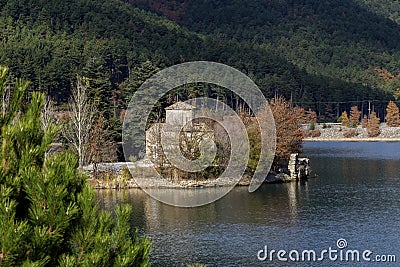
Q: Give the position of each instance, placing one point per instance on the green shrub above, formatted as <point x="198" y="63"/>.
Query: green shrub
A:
<point x="312" y="126"/>
<point x="132" y="159"/>
<point x="48" y="212"/>
<point x="126" y="174"/>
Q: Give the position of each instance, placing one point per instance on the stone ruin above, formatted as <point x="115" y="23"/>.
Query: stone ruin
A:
<point x="299" y="168"/>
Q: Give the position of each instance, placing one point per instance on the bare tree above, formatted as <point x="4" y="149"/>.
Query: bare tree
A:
<point x="101" y="147"/>
<point x="48" y="119"/>
<point x="5" y="99"/>
<point x="80" y="122"/>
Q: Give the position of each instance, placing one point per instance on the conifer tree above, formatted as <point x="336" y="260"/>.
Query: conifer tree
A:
<point x="136" y="78"/>
<point x="364" y="121"/>
<point x="99" y="86"/>
<point x="48" y="214"/>
<point x="344" y="119"/>
<point x="355" y="115"/>
<point x="392" y="115"/>
<point x="373" y="125"/>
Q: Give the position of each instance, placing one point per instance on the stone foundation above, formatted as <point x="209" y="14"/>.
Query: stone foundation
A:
<point x="298" y="169"/>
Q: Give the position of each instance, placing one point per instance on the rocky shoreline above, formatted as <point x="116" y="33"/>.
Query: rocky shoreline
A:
<point x="335" y="132"/>
<point x="117" y="176"/>
<point x="184" y="184"/>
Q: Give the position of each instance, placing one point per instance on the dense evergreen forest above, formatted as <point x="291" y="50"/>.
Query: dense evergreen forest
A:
<point x="340" y="39"/>
<point x="325" y="55"/>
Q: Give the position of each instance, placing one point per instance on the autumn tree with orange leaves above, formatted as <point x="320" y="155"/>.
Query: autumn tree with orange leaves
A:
<point x="344" y="119"/>
<point x="288" y="133"/>
<point x="389" y="81"/>
<point x="364" y="121"/>
<point x="373" y="125"/>
<point x="392" y="115"/>
<point x="355" y="115"/>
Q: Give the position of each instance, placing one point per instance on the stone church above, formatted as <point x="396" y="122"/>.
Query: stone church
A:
<point x="179" y="120"/>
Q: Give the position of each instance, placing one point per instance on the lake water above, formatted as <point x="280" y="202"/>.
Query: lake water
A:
<point x="355" y="196"/>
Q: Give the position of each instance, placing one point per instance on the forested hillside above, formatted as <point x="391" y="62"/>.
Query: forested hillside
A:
<point x="354" y="41"/>
<point x="319" y="53"/>
<point x="388" y="9"/>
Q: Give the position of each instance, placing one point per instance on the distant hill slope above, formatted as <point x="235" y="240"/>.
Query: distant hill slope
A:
<point x="388" y="9"/>
<point x="342" y="39"/>
<point x="291" y="49"/>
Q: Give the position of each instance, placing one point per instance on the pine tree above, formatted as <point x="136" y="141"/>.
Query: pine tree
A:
<point x="392" y="115"/>
<point x="373" y="125"/>
<point x="48" y="214"/>
<point x="98" y="80"/>
<point x="136" y="78"/>
<point x="355" y="114"/>
<point x="344" y="119"/>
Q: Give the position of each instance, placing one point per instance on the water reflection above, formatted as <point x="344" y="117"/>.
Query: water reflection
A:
<point x="356" y="198"/>
<point x="239" y="206"/>
<point x="191" y="197"/>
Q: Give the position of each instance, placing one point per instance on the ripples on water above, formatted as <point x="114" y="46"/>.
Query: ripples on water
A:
<point x="356" y="196"/>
